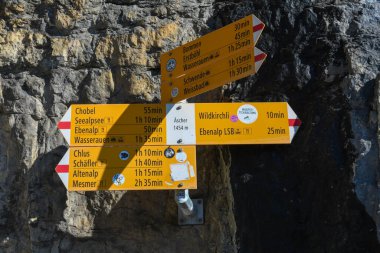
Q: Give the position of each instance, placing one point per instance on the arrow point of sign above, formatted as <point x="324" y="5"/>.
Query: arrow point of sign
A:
<point x="64" y="125"/>
<point x="62" y="168"/>
<point x="258" y="27"/>
<point x="260" y="56"/>
<point x="294" y="123"/>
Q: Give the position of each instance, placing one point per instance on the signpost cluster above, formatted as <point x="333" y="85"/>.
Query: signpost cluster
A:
<point x="153" y="146"/>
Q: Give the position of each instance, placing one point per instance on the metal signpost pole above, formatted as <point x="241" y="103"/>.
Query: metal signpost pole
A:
<point x="188" y="212"/>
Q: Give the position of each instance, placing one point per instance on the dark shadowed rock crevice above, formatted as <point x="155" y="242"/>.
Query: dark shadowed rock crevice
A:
<point x="320" y="194"/>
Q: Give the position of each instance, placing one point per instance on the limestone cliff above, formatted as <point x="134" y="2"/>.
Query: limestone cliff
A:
<point x="319" y="194"/>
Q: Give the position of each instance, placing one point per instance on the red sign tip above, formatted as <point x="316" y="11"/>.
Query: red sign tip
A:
<point x="294" y="122"/>
<point x="260" y="57"/>
<point x="258" y="27"/>
<point x="62" y="168"/>
<point x="64" y="125"/>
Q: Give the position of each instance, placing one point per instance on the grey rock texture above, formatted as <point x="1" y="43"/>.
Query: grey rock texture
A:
<point x="319" y="194"/>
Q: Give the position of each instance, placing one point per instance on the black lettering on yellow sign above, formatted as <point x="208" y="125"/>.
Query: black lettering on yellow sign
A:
<point x="198" y="76"/>
<point x="89" y="121"/>
<point x="196" y="87"/>
<point x="216" y="131"/>
<point x="86" y="130"/>
<point x="148" y="172"/>
<point x="214" y="115"/>
<point x="191" y="56"/>
<point x="150" y="109"/>
<point x="238" y="45"/>
<point x="148" y="119"/>
<point x="148" y="183"/>
<point x="81" y="153"/>
<point x="198" y="62"/>
<point x="90" y="140"/>
<point x="243" y="34"/>
<point x="241" y="25"/>
<point x="277" y="131"/>
<point x="221" y="132"/>
<point x="275" y="115"/>
<point x="86" y="110"/>
<point x="86" y="173"/>
<point x="79" y="184"/>
<point x="85" y="163"/>
<point x="192" y="47"/>
<point x="241" y="70"/>
<point x="240" y="59"/>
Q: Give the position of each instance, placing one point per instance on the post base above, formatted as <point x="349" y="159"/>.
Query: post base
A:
<point x="196" y="218"/>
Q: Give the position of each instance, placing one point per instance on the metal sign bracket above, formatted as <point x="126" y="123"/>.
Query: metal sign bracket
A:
<point x="190" y="212"/>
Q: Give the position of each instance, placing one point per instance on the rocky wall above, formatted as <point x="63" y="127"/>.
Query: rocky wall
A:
<point x="319" y="194"/>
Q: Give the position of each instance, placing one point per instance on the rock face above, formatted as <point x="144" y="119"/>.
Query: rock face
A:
<point x="319" y="194"/>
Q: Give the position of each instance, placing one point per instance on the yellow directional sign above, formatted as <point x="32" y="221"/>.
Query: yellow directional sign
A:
<point x="128" y="168"/>
<point x="211" y="47"/>
<point x="110" y="125"/>
<point x="179" y="124"/>
<point x="231" y="123"/>
<point x="241" y="64"/>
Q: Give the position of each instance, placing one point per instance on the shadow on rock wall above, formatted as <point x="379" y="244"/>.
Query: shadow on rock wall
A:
<point x="146" y="221"/>
<point x="46" y="203"/>
<point x="140" y="221"/>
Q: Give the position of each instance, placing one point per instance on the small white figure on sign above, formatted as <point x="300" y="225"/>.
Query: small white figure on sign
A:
<point x="181" y="156"/>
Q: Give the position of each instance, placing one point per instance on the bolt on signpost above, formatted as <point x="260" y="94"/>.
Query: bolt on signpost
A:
<point x="152" y="146"/>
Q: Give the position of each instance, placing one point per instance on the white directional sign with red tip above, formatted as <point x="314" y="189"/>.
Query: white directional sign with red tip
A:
<point x="259" y="58"/>
<point x="62" y="169"/>
<point x="294" y="122"/>
<point x="65" y="124"/>
<point x="258" y="27"/>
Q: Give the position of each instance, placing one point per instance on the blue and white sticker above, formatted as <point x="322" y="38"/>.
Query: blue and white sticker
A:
<point x="170" y="65"/>
<point x="124" y="155"/>
<point x="247" y="114"/>
<point x="118" y="179"/>
<point x="174" y="92"/>
<point x="169" y="152"/>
